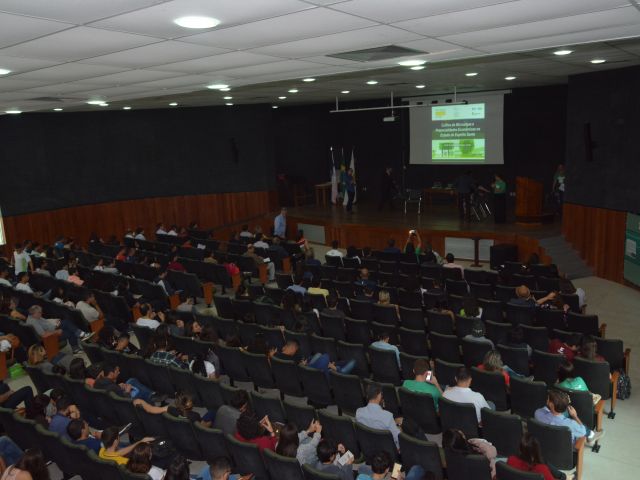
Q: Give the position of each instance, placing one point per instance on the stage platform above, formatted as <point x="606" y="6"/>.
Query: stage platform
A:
<point x="438" y="225"/>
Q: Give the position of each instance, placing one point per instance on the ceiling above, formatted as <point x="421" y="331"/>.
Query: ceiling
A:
<point x="63" y="53"/>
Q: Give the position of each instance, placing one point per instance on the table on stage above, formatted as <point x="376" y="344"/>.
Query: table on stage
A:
<point x="431" y="191"/>
<point x="323" y="192"/>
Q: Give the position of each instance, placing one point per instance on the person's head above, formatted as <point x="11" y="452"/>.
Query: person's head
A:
<point x="455" y="440"/>
<point x="565" y="370"/>
<point x="283" y="211"/>
<point x="178" y="469"/>
<point x="291" y="347"/>
<point x="530" y="450"/>
<point x="374" y="393"/>
<point x="492" y="361"/>
<point x="33" y="462"/>
<point x="310" y="254"/>
<point x="146" y="310"/>
<point x="384" y="336"/>
<point x="523" y="292"/>
<point x="477" y="328"/>
<point x="326" y="450"/>
<point x="288" y="441"/>
<point x="497" y="176"/>
<point x="78" y="429"/>
<point x="36" y="354"/>
<point x="240" y="400"/>
<point x="77" y="369"/>
<point x="516" y="335"/>
<point x="470" y="305"/>
<point x="463" y="377"/>
<point x="23" y="277"/>
<point x="220" y="468"/>
<point x="420" y="369"/>
<point x="450" y="258"/>
<point x="245" y="228"/>
<point x="334" y="244"/>
<point x="184" y="402"/>
<point x="4" y="272"/>
<point x="332" y="300"/>
<point x="383" y="297"/>
<point x="140" y="458"/>
<point x="110" y="437"/>
<point x="111" y="371"/>
<point x="589" y="348"/>
<point x="352" y="251"/>
<point x="534" y="259"/>
<point x="381" y="462"/>
<point x="251" y="249"/>
<point x="557" y="401"/>
<point x="63" y="405"/>
<point x="248" y="426"/>
<point x="364" y="273"/>
<point x="18" y="247"/>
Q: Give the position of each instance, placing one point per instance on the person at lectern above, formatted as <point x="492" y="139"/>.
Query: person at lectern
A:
<point x="499" y="187"/>
<point x="558" y="186"/>
<point x="280" y="224"/>
<point x="387" y="189"/>
<point x="350" y="187"/>
<point x="465" y="185"/>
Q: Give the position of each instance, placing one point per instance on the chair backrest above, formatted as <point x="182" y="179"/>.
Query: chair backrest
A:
<point x="507" y="472"/>
<point x="372" y="440"/>
<point x="412" y="318"/>
<point x="461" y="416"/>
<point x="384" y="365"/>
<point x="324" y="345"/>
<point x="414" y="342"/>
<point x="445" y="347"/>
<point x="315" y="386"/>
<point x="358" y="331"/>
<point x="556" y="445"/>
<point x="420" y="452"/>
<point x="183" y="436"/>
<point x="527" y="396"/>
<point x="439" y="322"/>
<point x="299" y="414"/>
<point x="595" y="374"/>
<point x="340" y="429"/>
<point x="311" y="473"/>
<point x="420" y="408"/>
<point x="516" y="358"/>
<point x="545" y="366"/>
<point x="586" y="324"/>
<point x="503" y="430"/>
<point x="492" y="386"/>
<point x="287" y="377"/>
<point x="446" y="372"/>
<point x="613" y="352"/>
<point x="282" y="467"/>
<point x="247" y="458"/>
<point x="520" y="314"/>
<point x="356" y="352"/>
<point x="464" y="467"/>
<point x="332" y="326"/>
<point x="269" y="405"/>
<point x="361" y="309"/>
<point x="258" y="368"/>
<point x="536" y="337"/>
<point x="347" y="391"/>
<point x="473" y="352"/>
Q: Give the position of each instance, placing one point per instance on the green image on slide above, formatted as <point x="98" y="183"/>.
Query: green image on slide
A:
<point x="464" y="150"/>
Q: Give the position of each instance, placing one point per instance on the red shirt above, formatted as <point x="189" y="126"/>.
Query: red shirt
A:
<point x="518" y="463"/>
<point x="177" y="266"/>
<point x="504" y="374"/>
<point x="558" y="346"/>
<point x="263" y="442"/>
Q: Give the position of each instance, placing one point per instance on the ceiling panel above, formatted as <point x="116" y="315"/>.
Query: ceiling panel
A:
<point x="131" y="76"/>
<point x="15" y="28"/>
<point x="155" y="54"/>
<point x="75" y="11"/>
<point x="68" y="72"/>
<point x="276" y="67"/>
<point x="340" y="42"/>
<point x="9" y="84"/>
<point x="77" y="43"/>
<point x="66" y="89"/>
<point x="295" y="26"/>
<point x="20" y="64"/>
<point x="158" y="20"/>
<point x="201" y="81"/>
<point x="219" y="62"/>
<point x="111" y="93"/>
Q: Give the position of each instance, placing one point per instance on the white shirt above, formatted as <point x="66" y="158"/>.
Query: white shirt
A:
<point x="246" y="234"/>
<point x="261" y="244"/>
<point x="21" y="261"/>
<point x="455" y="265"/>
<point x="582" y="297"/>
<point x="62" y="274"/>
<point x="148" y="322"/>
<point x="173" y="233"/>
<point x="208" y="366"/>
<point x="335" y="253"/>
<point x="140" y="237"/>
<point x="24" y="287"/>
<point x="466" y="395"/>
<point x="4" y="281"/>
<point x="156" y="473"/>
<point x="161" y="231"/>
<point x="89" y="311"/>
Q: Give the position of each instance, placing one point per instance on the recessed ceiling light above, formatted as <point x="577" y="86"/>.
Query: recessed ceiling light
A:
<point x="173" y="104"/>
<point x="126" y="108"/>
<point x="293" y="90"/>
<point x="14" y="112"/>
<point x="471" y="74"/>
<point x="217" y="86"/>
<point x="345" y="91"/>
<point x="412" y="63"/>
<point x="227" y="98"/>
<point x="562" y="52"/>
<point x="598" y="60"/>
<point x="372" y="82"/>
<point x="420" y="86"/>
<point x="274" y="106"/>
<point x="418" y="67"/>
<point x="510" y="77"/>
<point x="228" y="104"/>
<point x="103" y="105"/>
<point x="309" y="79"/>
<point x="57" y="109"/>
<point x="225" y="89"/>
<point x="95" y="102"/>
<point x="4" y="71"/>
<point x="281" y="98"/>
<point x="197" y="22"/>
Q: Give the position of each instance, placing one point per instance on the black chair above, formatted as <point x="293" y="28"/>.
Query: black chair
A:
<point x="465" y="467"/>
<point x="597" y="376"/>
<point x="492" y="386"/>
<point x="481" y="290"/>
<point x="384" y="365"/>
<point x="446" y="372"/>
<point x="473" y="352"/>
<point x="268" y="405"/>
<point x="347" y="391"/>
<point x="182" y="436"/>
<point x="301" y="415"/>
<point x="152" y="423"/>
<point x="585" y="324"/>
<point x="409" y="299"/>
<point x="421" y="409"/>
<point x="287" y="377"/>
<point x="385" y="314"/>
<point x="93" y="351"/>
<point x="324" y="345"/>
<point x="361" y="310"/>
<point x="357" y="352"/>
<point x="456" y="287"/>
<point x="503" y="430"/>
<point x="445" y="347"/>
<point x="377" y="329"/>
<point x="407" y="362"/>
<point x="332" y="327"/>
<point x="505" y="293"/>
<point x="614" y="353"/>
<point x="373" y="440"/>
<point x="414" y="342"/>
<point x="412" y="318"/>
<point x="556" y="444"/>
<point x="527" y="396"/>
<point x="316" y="387"/>
<point x="497" y="332"/>
<point x="516" y="358"/>
<point x="311" y="473"/>
<point x="461" y="416"/>
<point x="572" y="300"/>
<point x="506" y="472"/>
<point x="420" y="452"/>
<point x="209" y="391"/>
<point x="232" y="364"/>
<point x="279" y="466"/>
<point x="339" y="428"/>
<point x="247" y="458"/>
<point x="551" y="318"/>
<point x="520" y="314"/>
<point x="358" y="331"/>
<point x="464" y="325"/>
<point x="439" y="322"/>
<point x="545" y="366"/>
<point x="536" y="337"/>
<point x="160" y="380"/>
<point x="491" y="310"/>
<point x="211" y="442"/>
<point x="258" y="368"/>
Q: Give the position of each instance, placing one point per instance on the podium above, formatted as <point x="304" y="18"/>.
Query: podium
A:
<point x="528" y="201"/>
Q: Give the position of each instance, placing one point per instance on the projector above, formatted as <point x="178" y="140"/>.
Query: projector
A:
<point x="391" y="118"/>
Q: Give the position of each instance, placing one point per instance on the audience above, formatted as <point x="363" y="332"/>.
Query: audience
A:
<point x="391" y="247"/>
<point x="31" y="466"/>
<point x="450" y="263"/>
<point x="316" y="289"/>
<point x="78" y="432"/>
<point x="477" y="334"/>
<point x="334" y="252"/>
<point x="332" y="309"/>
<point x="529" y="459"/>
<point x="424" y="381"/>
<point x="373" y="414"/>
<point x="111" y="446"/>
<point x="524" y="298"/>
<point x="462" y="393"/>
<point x="383" y="344"/>
<point x="456" y="442"/>
<point x="148" y="318"/>
<point x="327" y="452"/>
<point x="140" y="462"/>
<point x="259" y="432"/>
<point x="258" y="260"/>
<point x="300" y="445"/>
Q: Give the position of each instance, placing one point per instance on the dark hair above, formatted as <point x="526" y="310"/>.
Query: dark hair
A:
<point x="145" y="308"/>
<point x="477" y="327"/>
<point x="326" y="449"/>
<point x="381" y="462"/>
<point x="108" y="368"/>
<point x="219" y="466"/>
<point x="332" y="300"/>
<point x="63" y="403"/>
<point x="198" y="366"/>
<point x="140" y="458"/>
<point x="589" y="348"/>
<point x="559" y="400"/>
<point x="334" y="244"/>
<point x="391" y="242"/>
<point x="209" y="334"/>
<point x="454" y="439"/>
<point x="178" y="469"/>
<point x="37" y="407"/>
<point x="33" y="462"/>
<point x="530" y="450"/>
<point x="248" y="426"/>
<point x="77" y="370"/>
<point x="288" y="441"/>
<point x="420" y="366"/>
<point x="352" y="251"/>
<point x="74" y="429"/>
<point x="470" y="305"/>
<point x="565" y="370"/>
<point x="516" y="334"/>
<point x="239" y="399"/>
<point x="22" y="275"/>
<point x="373" y="391"/>
<point x="450" y="258"/>
<point x="384" y="335"/>
<point x="463" y="374"/>
<point x="109" y="436"/>
<point x="107" y="335"/>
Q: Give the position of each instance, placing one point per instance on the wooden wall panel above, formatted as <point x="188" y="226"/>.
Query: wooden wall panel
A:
<point x="211" y="211"/>
<point x="598" y="234"/>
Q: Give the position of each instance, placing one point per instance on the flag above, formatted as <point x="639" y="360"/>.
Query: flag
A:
<point x="352" y="166"/>
<point x="334" y="178"/>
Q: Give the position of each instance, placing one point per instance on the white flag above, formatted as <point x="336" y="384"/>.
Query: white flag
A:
<point x="334" y="186"/>
<point x="352" y="166"/>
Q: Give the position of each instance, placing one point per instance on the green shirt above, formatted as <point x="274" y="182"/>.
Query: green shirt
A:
<point x="576" y="383"/>
<point x="424" y="387"/>
<point x="499" y="186"/>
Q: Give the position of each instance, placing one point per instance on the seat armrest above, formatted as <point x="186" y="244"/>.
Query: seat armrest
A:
<point x="286" y="265"/>
<point x="50" y="341"/>
<point x="614" y="389"/>
<point x="262" y="273"/>
<point x="579" y="447"/>
<point x="602" y="330"/>
<point x="599" y="410"/>
<point x="97" y="325"/>
<point x="627" y="360"/>
<point x="3" y="365"/>
<point x="174" y="301"/>
<point x="208" y="289"/>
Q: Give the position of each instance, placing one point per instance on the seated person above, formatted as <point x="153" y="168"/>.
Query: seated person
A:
<point x="132" y="388"/>
<point x="529" y="459"/>
<point x="380" y="469"/>
<point x="220" y="469"/>
<point x="492" y="362"/>
<point x="384" y="299"/>
<point x="259" y="241"/>
<point x="89" y="307"/>
<point x="187" y="303"/>
<point x="148" y="318"/>
<point x="316" y="288"/>
<point x="568" y="288"/>
<point x="352" y="252"/>
<point x="258" y="260"/>
<point x="327" y="452"/>
<point x="111" y="446"/>
<point x="374" y="416"/>
<point x="470" y="308"/>
<point x="364" y="280"/>
<point x="554" y="414"/>
<point x="524" y="297"/>
<point x="140" y="462"/>
<point x="424" y="381"/>
<point x="391" y="247"/>
<point x="164" y="354"/>
<point x="450" y="262"/>
<point x="569" y="380"/>
<point x="37" y="357"/>
<point x="66" y="411"/>
<point x="367" y="295"/>
<point x="456" y="441"/>
<point x="300" y="445"/>
<point x="569" y="350"/>
<point x="78" y="432"/>
<point x="74" y="277"/>
<point x="228" y="415"/>
<point x="297" y="286"/>
<point x="462" y="393"/>
<point x="383" y="344"/>
<point x="477" y="334"/>
<point x="334" y="252"/>
<point x="310" y="257"/>
<point x="47" y="326"/>
<point x="259" y="432"/>
<point x="442" y="307"/>
<point x="4" y="276"/>
<point x="589" y="349"/>
<point x="332" y="309"/>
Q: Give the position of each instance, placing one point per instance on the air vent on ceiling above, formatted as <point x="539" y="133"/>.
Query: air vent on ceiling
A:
<point x="44" y="99"/>
<point x="378" y="53"/>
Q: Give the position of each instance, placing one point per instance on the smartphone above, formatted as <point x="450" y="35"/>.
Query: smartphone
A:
<point x="428" y="377"/>
<point x="395" y="473"/>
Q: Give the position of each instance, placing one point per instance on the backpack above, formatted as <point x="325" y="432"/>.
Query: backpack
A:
<point x="624" y="386"/>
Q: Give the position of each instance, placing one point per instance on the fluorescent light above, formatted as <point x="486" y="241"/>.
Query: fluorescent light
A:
<point x="372" y="82"/>
<point x="562" y="52"/>
<point x="274" y="106"/>
<point x="217" y="86"/>
<point x="598" y="60"/>
<point x="345" y="91"/>
<point x="420" y="86"/>
<point x="126" y="108"/>
<point x="293" y="90"/>
<point x="228" y="104"/>
<point x="95" y="102"/>
<point x="57" y="109"/>
<point x="173" y="104"/>
<point x="4" y="71"/>
<point x="412" y="63"/>
<point x="225" y="89"/>
<point x="281" y="98"/>
<point x="197" y="22"/>
<point x="308" y="79"/>
<point x="14" y="112"/>
<point x="418" y="67"/>
<point x="227" y="98"/>
<point x="510" y="77"/>
<point x="471" y="74"/>
<point x="103" y="105"/>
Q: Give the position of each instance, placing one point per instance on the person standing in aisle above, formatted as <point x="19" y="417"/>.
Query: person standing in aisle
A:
<point x="280" y="224"/>
<point x="499" y="187"/>
<point x="350" y="187"/>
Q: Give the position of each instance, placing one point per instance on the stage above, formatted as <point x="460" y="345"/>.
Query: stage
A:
<point x="437" y="224"/>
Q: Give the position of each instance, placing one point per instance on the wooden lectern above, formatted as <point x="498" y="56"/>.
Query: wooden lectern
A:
<point x="528" y="200"/>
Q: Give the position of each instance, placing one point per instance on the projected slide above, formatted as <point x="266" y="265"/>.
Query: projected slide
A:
<point x="457" y="133"/>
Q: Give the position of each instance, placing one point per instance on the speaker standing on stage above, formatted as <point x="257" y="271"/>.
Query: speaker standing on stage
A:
<point x="465" y="186"/>
<point x="280" y="224"/>
<point x="350" y="187"/>
<point x="387" y="187"/>
<point x="499" y="199"/>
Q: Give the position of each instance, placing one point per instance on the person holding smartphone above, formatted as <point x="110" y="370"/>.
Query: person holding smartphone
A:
<point x="424" y="381"/>
<point x="383" y="468"/>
